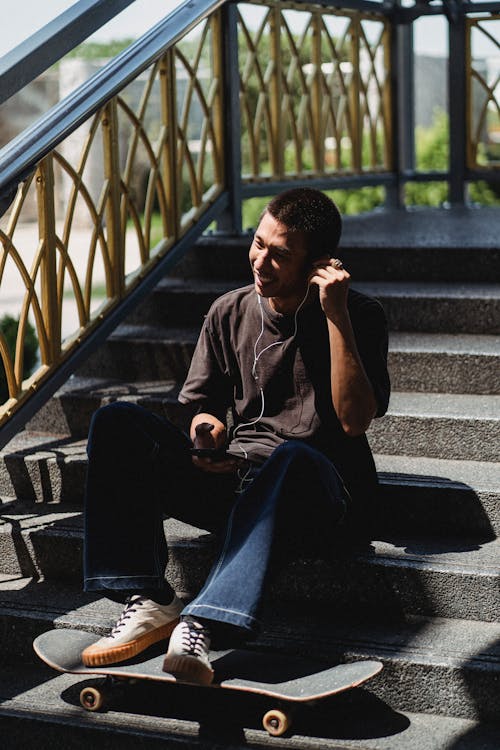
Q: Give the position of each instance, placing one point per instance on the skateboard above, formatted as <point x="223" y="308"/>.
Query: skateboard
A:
<point x="286" y="680"/>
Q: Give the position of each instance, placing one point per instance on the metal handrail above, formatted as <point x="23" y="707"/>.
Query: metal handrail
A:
<point x="36" y="54"/>
<point x="19" y="157"/>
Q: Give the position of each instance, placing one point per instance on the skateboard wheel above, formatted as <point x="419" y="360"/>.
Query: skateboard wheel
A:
<point x="276" y="722"/>
<point x="91" y="699"/>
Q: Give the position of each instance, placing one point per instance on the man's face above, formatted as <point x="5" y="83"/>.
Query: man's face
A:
<point x="279" y="263"/>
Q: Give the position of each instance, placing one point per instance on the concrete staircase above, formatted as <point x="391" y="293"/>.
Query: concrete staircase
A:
<point x="424" y="596"/>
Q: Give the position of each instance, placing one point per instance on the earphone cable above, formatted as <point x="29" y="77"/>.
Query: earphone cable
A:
<point x="243" y="478"/>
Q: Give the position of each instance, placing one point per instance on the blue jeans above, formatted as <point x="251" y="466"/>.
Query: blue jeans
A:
<point x="140" y="470"/>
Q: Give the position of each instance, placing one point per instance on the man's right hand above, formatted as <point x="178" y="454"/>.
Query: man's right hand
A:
<point x="204" y="437"/>
<point x="212" y="436"/>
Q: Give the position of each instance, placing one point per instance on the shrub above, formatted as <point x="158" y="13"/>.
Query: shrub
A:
<point x="9" y="326"/>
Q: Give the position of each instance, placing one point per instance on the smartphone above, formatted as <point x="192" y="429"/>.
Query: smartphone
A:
<point x="216" y="454"/>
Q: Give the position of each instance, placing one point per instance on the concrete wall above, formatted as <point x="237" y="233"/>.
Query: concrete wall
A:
<point x="21" y="111"/>
<point x="431" y="88"/>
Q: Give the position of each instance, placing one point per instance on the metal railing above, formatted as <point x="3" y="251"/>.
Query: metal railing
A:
<point x="315" y="99"/>
<point x="483" y="98"/>
<point x="207" y="108"/>
<point x="124" y="176"/>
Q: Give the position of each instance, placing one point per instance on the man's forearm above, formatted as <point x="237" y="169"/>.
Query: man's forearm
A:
<point x="352" y="393"/>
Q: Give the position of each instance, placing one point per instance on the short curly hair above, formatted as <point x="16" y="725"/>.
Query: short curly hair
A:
<point x="310" y="211"/>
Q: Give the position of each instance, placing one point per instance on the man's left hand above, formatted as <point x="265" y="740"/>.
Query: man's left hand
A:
<point x="332" y="281"/>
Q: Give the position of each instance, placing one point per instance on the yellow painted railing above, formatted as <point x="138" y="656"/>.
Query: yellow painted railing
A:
<point x="119" y="192"/>
<point x="315" y="93"/>
<point x="483" y="95"/>
<point x="110" y="201"/>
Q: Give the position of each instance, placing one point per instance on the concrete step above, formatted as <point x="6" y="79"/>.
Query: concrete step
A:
<point x="439" y="496"/>
<point x="423" y="244"/>
<point x="452" y="577"/>
<point x="39" y="708"/>
<point x="183" y="302"/>
<point x="443" y="307"/>
<point x="372" y="262"/>
<point x="143" y="352"/>
<point x="43" y="468"/>
<point x="417" y="362"/>
<point x="418" y="494"/>
<point x="439" y="425"/>
<point x="432" y="665"/>
<point x="432" y="307"/>
<point x="419" y="245"/>
<point x="451" y="363"/>
<point x="70" y="411"/>
<point x="155" y="361"/>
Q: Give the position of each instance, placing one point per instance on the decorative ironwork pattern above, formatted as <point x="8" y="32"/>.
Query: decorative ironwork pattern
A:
<point x="315" y="94"/>
<point x="113" y="198"/>
<point x="483" y="95"/>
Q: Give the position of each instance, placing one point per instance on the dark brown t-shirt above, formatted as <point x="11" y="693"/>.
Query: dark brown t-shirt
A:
<point x="230" y="366"/>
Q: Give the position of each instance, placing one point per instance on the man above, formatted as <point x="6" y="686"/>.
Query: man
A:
<point x="299" y="360"/>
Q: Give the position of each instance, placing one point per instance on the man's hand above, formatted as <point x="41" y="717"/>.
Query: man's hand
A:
<point x="203" y="437"/>
<point x="352" y="394"/>
<point x="332" y="281"/>
<point x="211" y="435"/>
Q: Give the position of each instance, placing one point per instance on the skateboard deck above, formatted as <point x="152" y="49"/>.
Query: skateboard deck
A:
<point x="286" y="679"/>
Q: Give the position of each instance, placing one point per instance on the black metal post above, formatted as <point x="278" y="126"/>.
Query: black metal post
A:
<point x="403" y="113"/>
<point x="457" y="107"/>
<point x="230" y="221"/>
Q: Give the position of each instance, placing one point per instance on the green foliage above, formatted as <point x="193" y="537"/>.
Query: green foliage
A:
<point x="358" y="200"/>
<point x="426" y="193"/>
<point x="252" y="210"/>
<point x="432" y="144"/>
<point x="352" y="201"/>
<point x="432" y="153"/>
<point x="9" y="326"/>
<point x="483" y="194"/>
<point x="99" y="50"/>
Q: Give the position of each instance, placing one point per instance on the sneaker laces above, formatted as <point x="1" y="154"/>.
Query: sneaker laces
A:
<point x="130" y="607"/>
<point x="193" y="638"/>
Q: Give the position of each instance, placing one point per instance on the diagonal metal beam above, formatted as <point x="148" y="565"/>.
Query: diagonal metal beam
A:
<point x="25" y="62"/>
<point x="19" y="157"/>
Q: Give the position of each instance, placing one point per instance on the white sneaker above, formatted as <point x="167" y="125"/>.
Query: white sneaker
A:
<point x="187" y="655"/>
<point x="142" y="623"/>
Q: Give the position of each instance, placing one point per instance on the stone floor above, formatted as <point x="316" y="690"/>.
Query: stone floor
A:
<point x="424" y="227"/>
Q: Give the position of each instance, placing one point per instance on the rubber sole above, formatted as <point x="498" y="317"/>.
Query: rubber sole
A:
<point x="96" y="656"/>
<point x="188" y="669"/>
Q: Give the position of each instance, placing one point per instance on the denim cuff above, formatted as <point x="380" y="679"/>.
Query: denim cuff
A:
<point x="219" y="614"/>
